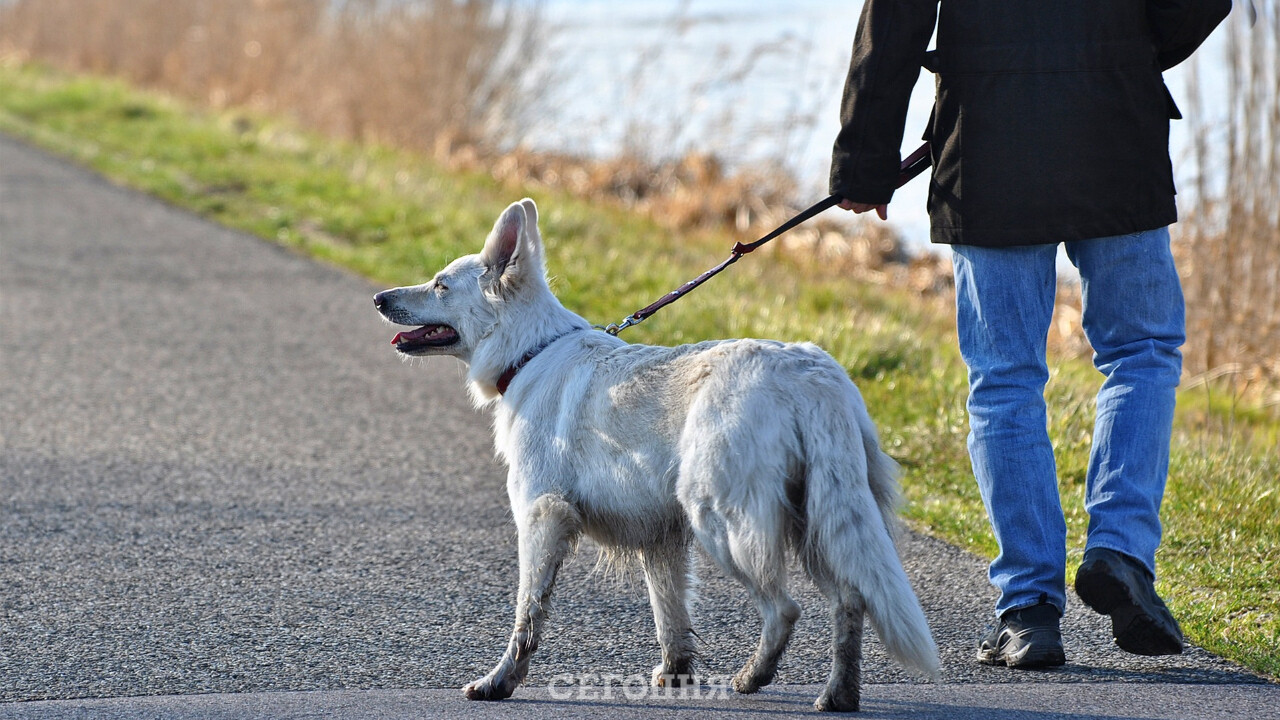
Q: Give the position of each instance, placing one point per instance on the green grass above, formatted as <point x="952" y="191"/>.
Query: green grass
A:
<point x="395" y="218"/>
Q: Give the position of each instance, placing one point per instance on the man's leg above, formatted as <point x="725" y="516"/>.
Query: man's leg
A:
<point x="1134" y="318"/>
<point x="1004" y="305"/>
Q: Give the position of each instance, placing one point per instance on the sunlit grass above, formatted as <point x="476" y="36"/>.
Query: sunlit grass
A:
<point x="395" y="218"/>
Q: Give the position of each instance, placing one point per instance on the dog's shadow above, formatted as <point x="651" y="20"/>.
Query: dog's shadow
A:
<point x="879" y="702"/>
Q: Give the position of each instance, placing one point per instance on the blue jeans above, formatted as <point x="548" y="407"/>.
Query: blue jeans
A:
<point x="1134" y="319"/>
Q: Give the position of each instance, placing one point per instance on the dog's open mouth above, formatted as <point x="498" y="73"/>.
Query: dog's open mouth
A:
<point x="424" y="339"/>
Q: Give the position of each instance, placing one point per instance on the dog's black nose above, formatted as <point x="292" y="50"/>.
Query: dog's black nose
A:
<point x="379" y="300"/>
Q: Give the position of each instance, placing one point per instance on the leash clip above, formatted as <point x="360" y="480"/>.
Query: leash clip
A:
<point x="615" y="328"/>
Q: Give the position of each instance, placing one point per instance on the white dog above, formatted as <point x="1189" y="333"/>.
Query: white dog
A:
<point x="750" y="446"/>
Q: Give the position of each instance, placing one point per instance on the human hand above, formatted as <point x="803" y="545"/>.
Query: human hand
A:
<point x="881" y="210"/>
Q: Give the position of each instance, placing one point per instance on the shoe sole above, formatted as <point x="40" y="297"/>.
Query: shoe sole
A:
<point x="1134" y="629"/>
<point x="1028" y="661"/>
<point x="1028" y="657"/>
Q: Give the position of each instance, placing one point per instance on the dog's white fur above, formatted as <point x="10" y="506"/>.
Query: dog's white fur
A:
<point x="750" y="446"/>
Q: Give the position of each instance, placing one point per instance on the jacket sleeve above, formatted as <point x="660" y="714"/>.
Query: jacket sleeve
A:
<point x="1179" y="26"/>
<point x="888" y="52"/>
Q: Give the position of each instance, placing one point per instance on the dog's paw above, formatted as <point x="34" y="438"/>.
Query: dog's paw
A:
<point x="487" y="689"/>
<point x="753" y="676"/>
<point x="747" y="682"/>
<point x="664" y="676"/>
<point x="837" y="701"/>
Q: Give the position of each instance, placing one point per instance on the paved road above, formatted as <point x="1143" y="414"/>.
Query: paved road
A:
<point x="216" y="478"/>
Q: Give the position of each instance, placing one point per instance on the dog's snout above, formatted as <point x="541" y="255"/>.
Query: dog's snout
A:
<point x="380" y="300"/>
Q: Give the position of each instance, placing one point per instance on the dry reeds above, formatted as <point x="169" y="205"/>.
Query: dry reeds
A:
<point x="406" y="73"/>
<point x="1231" y="241"/>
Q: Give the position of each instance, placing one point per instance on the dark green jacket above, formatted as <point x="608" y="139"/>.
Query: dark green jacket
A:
<point x="1051" y="120"/>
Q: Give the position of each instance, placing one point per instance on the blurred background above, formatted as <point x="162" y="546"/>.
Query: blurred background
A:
<point x="697" y="112"/>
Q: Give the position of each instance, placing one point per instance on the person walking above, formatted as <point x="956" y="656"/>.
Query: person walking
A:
<point x="1050" y="127"/>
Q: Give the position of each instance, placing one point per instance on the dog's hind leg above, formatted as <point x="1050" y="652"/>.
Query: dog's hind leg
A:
<point x="666" y="571"/>
<point x="842" y="693"/>
<point x="548" y="529"/>
<point x="756" y="558"/>
<point x="778" y="613"/>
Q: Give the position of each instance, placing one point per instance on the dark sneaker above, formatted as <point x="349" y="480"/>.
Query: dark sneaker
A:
<point x="1026" y="638"/>
<point x="1115" y="584"/>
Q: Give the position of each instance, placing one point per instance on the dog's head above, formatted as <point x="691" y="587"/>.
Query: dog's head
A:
<point x="463" y="304"/>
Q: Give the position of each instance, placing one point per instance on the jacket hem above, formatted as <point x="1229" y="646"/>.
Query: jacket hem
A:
<point x="1014" y="237"/>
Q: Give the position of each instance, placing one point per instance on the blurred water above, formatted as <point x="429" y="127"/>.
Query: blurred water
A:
<point x="750" y="82"/>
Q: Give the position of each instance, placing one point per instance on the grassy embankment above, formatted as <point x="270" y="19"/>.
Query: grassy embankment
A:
<point x="394" y="218"/>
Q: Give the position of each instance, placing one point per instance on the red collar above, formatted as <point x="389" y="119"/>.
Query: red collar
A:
<point x="504" y="380"/>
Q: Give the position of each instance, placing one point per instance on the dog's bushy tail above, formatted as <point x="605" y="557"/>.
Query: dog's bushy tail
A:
<point x="852" y="526"/>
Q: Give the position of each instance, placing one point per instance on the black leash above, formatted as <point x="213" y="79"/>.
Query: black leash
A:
<point x="912" y="165"/>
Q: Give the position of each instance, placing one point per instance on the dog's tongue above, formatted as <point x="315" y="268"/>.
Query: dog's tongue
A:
<point x="412" y="335"/>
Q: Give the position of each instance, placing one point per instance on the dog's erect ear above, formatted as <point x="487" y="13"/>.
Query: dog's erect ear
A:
<point x="504" y="242"/>
<point x="531" y="235"/>
<point x="530" y="215"/>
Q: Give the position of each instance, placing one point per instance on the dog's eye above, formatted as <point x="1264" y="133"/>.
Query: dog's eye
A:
<point x="441" y="287"/>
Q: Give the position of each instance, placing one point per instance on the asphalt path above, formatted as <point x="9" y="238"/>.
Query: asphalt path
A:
<point x="217" y="480"/>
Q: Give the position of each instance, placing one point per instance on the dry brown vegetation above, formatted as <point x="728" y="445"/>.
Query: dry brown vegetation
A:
<point x="1231" y="240"/>
<point x="403" y="73"/>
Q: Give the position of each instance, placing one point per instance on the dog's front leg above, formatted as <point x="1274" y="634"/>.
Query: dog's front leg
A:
<point x="666" y="572"/>
<point x="548" y="528"/>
